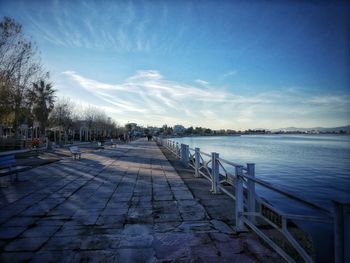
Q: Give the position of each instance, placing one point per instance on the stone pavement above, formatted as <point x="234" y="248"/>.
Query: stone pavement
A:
<point x="114" y="205"/>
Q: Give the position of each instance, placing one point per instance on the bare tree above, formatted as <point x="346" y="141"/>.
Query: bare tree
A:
<point x="62" y="116"/>
<point x="19" y="67"/>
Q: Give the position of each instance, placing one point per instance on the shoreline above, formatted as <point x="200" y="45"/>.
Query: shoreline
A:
<point x="253" y="134"/>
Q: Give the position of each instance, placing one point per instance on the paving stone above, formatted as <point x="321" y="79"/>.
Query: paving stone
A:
<point x="20" y="221"/>
<point x="195" y="216"/>
<point x="255" y="247"/>
<point x="183" y="194"/>
<point x="100" y="256"/>
<point x="26" y="244"/>
<point x="166" y="227"/>
<point x="4" y="218"/>
<point x="221" y="237"/>
<point x="227" y="249"/>
<point x="127" y="255"/>
<point x="35" y="211"/>
<point x="52" y="256"/>
<point x="11" y="232"/>
<point x="88" y="219"/>
<point x="98" y="242"/>
<point x="140" y="215"/>
<point x="165" y="211"/>
<point x="50" y="222"/>
<point x="205" y="253"/>
<point x="114" y="211"/>
<point x="140" y="241"/>
<point x="62" y="211"/>
<point x="175" y="245"/>
<point x="111" y="220"/>
<point x="196" y="226"/>
<point x="15" y="257"/>
<point x="221" y="226"/>
<point x="40" y="231"/>
<point x="242" y="258"/>
<point x="165" y="217"/>
<point x="141" y="201"/>
<point x="164" y="197"/>
<point x="137" y="229"/>
<point x="109" y="230"/>
<point x="63" y="243"/>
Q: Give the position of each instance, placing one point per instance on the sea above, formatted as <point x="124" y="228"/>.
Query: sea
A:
<point x="313" y="167"/>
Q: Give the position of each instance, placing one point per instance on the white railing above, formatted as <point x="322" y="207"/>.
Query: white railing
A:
<point x="249" y="207"/>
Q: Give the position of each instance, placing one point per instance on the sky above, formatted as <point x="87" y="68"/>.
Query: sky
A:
<point x="217" y="64"/>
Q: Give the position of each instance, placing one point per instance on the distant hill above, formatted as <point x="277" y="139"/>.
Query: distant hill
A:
<point x="320" y="129"/>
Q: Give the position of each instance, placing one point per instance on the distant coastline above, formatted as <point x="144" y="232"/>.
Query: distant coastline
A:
<point x="256" y="133"/>
<point x="181" y="131"/>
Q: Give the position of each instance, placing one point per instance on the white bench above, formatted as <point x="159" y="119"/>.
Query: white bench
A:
<point x="75" y="151"/>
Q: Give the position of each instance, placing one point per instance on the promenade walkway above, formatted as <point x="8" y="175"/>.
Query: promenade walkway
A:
<point x="124" y="204"/>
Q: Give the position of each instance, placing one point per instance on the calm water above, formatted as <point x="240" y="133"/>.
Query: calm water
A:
<point x="314" y="167"/>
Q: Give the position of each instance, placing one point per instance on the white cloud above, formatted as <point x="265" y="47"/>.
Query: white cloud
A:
<point x="329" y="100"/>
<point x="231" y="73"/>
<point x="149" y="98"/>
<point x="202" y="82"/>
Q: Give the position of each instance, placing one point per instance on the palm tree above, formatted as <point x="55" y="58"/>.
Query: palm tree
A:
<point x="42" y="97"/>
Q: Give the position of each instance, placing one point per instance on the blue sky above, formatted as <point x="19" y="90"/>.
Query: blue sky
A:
<point x="218" y="64"/>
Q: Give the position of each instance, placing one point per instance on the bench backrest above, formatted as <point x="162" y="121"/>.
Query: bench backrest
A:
<point x="7" y="159"/>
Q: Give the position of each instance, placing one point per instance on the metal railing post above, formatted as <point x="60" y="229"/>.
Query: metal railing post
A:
<point x="251" y="190"/>
<point x="215" y="173"/>
<point x="187" y="156"/>
<point x="182" y="152"/>
<point x="197" y="162"/>
<point x="341" y="232"/>
<point x="185" y="152"/>
<point x="239" y="199"/>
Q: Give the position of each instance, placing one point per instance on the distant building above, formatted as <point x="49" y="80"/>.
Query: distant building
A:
<point x="135" y="130"/>
<point x="153" y="130"/>
<point x="179" y="129"/>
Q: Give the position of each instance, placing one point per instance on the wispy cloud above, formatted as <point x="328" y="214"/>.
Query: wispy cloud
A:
<point x="148" y="97"/>
<point x="202" y="82"/>
<point x="230" y="73"/>
<point x="331" y="99"/>
<point x="80" y="24"/>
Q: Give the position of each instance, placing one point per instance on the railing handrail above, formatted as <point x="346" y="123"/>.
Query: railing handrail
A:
<point x="287" y="194"/>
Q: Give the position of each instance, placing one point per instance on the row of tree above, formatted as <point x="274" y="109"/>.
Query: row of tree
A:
<point x="68" y="118"/>
<point x="25" y="91"/>
<point x="167" y="130"/>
